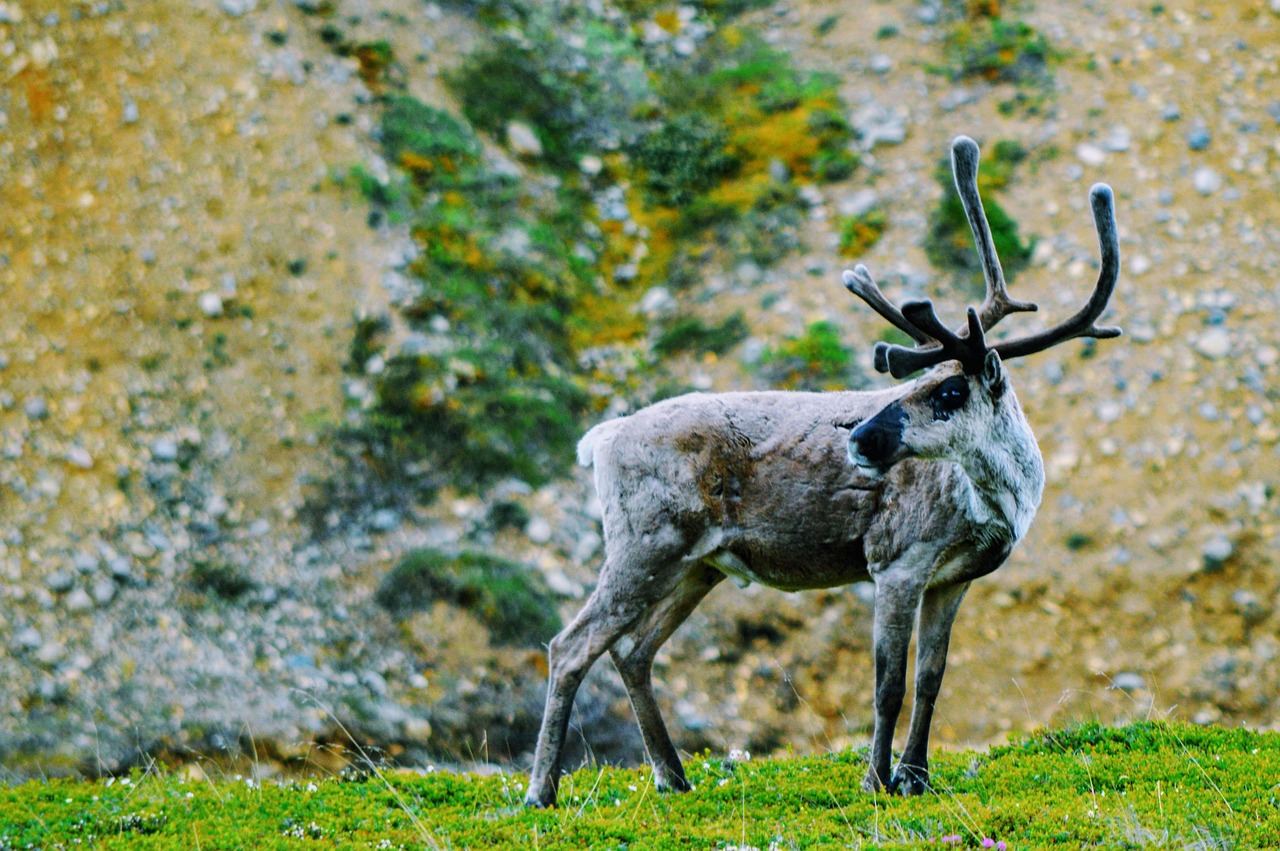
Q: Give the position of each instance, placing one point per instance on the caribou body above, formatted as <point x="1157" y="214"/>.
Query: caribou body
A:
<point x="919" y="488"/>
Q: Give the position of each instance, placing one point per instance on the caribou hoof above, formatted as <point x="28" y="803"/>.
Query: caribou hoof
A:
<point x="871" y="783"/>
<point x="671" y="781"/>
<point x="910" y="780"/>
<point x="540" y="800"/>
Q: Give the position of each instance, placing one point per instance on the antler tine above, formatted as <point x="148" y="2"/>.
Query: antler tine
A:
<point x="900" y="361"/>
<point x="997" y="304"/>
<point x="860" y="283"/>
<point x="1082" y="323"/>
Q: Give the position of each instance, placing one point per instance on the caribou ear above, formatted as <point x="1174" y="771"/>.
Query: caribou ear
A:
<point x="993" y="377"/>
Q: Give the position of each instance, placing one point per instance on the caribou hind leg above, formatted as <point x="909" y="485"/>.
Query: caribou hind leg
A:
<point x="633" y="655"/>
<point x="634" y="582"/>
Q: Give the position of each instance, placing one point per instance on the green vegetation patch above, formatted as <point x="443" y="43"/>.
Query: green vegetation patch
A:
<point x="691" y="334"/>
<point x="816" y="360"/>
<point x="1146" y="784"/>
<point x="997" y="50"/>
<point x="523" y="316"/>
<point x="509" y="598"/>
<point x="859" y="234"/>
<point x="949" y="243"/>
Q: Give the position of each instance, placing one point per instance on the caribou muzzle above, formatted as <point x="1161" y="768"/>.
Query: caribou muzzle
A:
<point x="876" y="445"/>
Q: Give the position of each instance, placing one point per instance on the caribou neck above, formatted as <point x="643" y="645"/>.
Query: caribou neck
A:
<point x="1006" y="475"/>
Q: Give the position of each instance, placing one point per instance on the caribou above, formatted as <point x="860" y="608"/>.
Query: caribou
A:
<point x="919" y="488"/>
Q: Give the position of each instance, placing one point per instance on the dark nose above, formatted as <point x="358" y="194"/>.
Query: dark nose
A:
<point x="879" y="439"/>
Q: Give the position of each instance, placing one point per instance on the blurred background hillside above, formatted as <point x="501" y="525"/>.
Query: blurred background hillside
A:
<point x="307" y="301"/>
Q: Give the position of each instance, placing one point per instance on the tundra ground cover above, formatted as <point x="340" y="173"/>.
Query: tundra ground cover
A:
<point x="1149" y="784"/>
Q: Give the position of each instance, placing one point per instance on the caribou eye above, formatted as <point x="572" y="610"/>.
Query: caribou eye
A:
<point x="949" y="396"/>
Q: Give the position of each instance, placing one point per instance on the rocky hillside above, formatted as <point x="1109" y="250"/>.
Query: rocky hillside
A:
<point x="192" y="545"/>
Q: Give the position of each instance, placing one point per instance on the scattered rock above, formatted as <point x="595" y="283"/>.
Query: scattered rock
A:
<point x="1091" y="154"/>
<point x="104" y="591"/>
<point x="78" y="456"/>
<point x="1249" y="607"/>
<point x="36" y="408"/>
<point x="164" y="449"/>
<point x="1214" y="343"/>
<point x="384" y="520"/>
<point x="237" y="8"/>
<point x="523" y="141"/>
<point x="1117" y="140"/>
<point x="59" y="582"/>
<point x="859" y="203"/>
<point x="876" y="124"/>
<point x="1128" y="681"/>
<point x="211" y="304"/>
<point x="78" y="600"/>
<point x="1199" y="138"/>
<point x="1216" y="551"/>
<point x="539" y="530"/>
<point x="28" y="639"/>
<point x="1206" y="181"/>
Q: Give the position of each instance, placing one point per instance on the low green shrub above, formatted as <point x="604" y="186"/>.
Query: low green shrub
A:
<point x="949" y="242"/>
<point x="683" y="158"/>
<point x="691" y="334"/>
<point x="816" y="360"/>
<point x="859" y="234"/>
<point x="510" y="599"/>
<point x="997" y="50"/>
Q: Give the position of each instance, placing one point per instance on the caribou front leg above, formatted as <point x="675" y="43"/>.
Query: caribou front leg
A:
<point x="937" y="614"/>
<point x="898" y="589"/>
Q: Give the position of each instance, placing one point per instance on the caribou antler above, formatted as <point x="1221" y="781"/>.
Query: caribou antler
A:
<point x="936" y="343"/>
<point x="997" y="304"/>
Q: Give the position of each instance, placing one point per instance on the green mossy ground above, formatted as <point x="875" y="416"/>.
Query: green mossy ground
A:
<point x="1148" y="784"/>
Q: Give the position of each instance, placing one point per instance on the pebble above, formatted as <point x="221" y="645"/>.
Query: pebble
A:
<point x="1199" y="138"/>
<point x="859" y="203"/>
<point x="1214" y="343"/>
<point x="876" y="124"/>
<point x="384" y="519"/>
<point x="522" y="140"/>
<point x="881" y="63"/>
<point x="1249" y="607"/>
<point x="1128" y="681"/>
<point x="28" y="639"/>
<point x="121" y="568"/>
<point x="1117" y="140"/>
<point x="211" y="304"/>
<point x="1170" y="112"/>
<point x="1091" y="154"/>
<point x="658" y="301"/>
<point x="164" y="449"/>
<point x="78" y="601"/>
<point x="78" y="456"/>
<point x="1206" y="181"/>
<point x="59" y="582"/>
<point x="104" y="591"/>
<point x="237" y="8"/>
<point x="1216" y="551"/>
<point x="539" y="530"/>
<point x="129" y="112"/>
<point x="36" y="407"/>
<point x="956" y="98"/>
